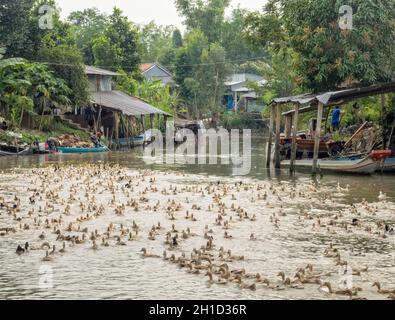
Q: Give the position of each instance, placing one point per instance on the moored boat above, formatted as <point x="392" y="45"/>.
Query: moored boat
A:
<point x="389" y="165"/>
<point x="361" y="164"/>
<point x="82" y="150"/>
<point x="24" y="152"/>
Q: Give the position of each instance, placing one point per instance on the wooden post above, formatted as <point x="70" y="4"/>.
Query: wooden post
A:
<point x="165" y="118"/>
<point x="270" y="140"/>
<point x="294" y="138"/>
<point x="143" y="127"/>
<point x="158" y="121"/>
<point x="278" y="132"/>
<point x="116" y="128"/>
<point x="317" y="140"/>
<point x="151" y="119"/>
<point x="382" y="111"/>
<point x="288" y="125"/>
<point x="132" y="125"/>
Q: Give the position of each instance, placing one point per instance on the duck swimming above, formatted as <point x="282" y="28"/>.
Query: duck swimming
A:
<point x="19" y="250"/>
<point x="148" y="255"/>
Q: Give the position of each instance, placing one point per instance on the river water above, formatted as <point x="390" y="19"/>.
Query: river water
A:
<point x="119" y="272"/>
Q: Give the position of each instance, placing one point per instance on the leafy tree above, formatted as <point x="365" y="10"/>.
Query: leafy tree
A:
<point x="151" y="91"/>
<point x="105" y="54"/>
<point x="66" y="63"/>
<point x="177" y="39"/>
<point x="28" y="86"/>
<point x="89" y="25"/>
<point x="156" y="41"/>
<point x="187" y="57"/>
<point x="234" y="41"/>
<point x="328" y="57"/>
<point x="211" y="75"/>
<point x="124" y="35"/>
<point x="207" y="16"/>
<point x="15" y="26"/>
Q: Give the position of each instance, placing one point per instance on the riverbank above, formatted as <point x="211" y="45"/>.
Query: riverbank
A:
<point x="17" y="137"/>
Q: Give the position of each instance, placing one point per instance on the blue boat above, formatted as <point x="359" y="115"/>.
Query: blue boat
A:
<point x="132" y="141"/>
<point x="82" y="150"/>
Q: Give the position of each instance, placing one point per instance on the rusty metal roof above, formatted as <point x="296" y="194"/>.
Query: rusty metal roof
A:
<point x="128" y="105"/>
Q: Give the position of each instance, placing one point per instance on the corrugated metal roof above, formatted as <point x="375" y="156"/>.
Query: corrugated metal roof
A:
<point x="128" y="105"/>
<point x="102" y="72"/>
<point x="335" y="97"/>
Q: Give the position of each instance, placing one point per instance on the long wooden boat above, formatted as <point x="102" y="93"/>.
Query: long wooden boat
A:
<point x="6" y="150"/>
<point x="82" y="150"/>
<point x="361" y="165"/>
<point x="133" y="141"/>
<point x="24" y="152"/>
<point x="389" y="165"/>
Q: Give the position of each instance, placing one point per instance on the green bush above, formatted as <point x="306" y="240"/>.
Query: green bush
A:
<point x="242" y="121"/>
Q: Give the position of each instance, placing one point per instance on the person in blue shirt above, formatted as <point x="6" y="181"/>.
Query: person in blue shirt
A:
<point x="336" y="119"/>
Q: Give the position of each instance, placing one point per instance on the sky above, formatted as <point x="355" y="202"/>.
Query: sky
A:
<point x="163" y="12"/>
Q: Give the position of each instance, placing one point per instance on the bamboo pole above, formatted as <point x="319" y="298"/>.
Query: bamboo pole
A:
<point x="317" y="137"/>
<point x="278" y="132"/>
<point x="294" y="138"/>
<point x="270" y="140"/>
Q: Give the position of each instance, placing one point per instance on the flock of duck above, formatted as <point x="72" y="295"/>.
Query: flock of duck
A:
<point x="198" y="224"/>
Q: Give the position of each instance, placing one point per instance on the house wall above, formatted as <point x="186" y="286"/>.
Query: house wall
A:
<point x="100" y="83"/>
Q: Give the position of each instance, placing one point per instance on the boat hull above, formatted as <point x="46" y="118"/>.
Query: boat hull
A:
<point x="82" y="150"/>
<point x="389" y="165"/>
<point x="364" y="165"/>
<point x="25" y="152"/>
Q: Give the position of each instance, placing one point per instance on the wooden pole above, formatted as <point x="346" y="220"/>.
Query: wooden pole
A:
<point x="270" y="140"/>
<point x="382" y="111"/>
<point x="288" y="125"/>
<point x="151" y="119"/>
<point x="294" y="138"/>
<point x="317" y="137"/>
<point x="116" y="128"/>
<point x="132" y="124"/>
<point x="158" y="115"/>
<point x="278" y="132"/>
<point x="165" y="118"/>
<point x="143" y="126"/>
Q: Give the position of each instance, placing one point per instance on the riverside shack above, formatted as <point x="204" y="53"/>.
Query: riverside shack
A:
<point x="118" y="114"/>
<point x="310" y="103"/>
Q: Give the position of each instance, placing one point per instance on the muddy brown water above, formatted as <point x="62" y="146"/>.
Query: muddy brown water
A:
<point x="119" y="272"/>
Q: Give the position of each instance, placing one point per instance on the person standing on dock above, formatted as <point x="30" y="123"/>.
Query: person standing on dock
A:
<point x="336" y="119"/>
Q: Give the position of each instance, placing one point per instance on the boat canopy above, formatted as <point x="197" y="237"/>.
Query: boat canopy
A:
<point x="309" y="101"/>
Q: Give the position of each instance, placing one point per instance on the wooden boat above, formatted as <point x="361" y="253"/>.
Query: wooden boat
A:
<point x="82" y="150"/>
<point x="361" y="164"/>
<point x="133" y="141"/>
<point x="305" y="145"/>
<point x="389" y="165"/>
<point x="24" y="152"/>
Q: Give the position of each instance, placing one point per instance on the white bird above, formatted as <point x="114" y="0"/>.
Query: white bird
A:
<point x="382" y="196"/>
